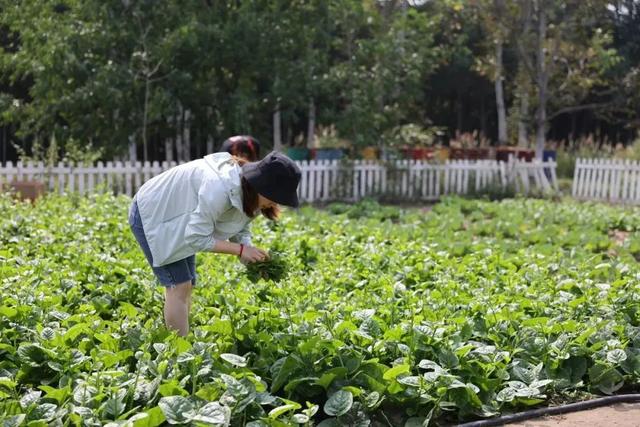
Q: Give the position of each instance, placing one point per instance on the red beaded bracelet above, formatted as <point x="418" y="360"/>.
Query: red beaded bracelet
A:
<point x="241" y="249"/>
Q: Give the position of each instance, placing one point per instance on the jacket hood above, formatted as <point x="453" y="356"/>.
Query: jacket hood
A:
<point x="223" y="165"/>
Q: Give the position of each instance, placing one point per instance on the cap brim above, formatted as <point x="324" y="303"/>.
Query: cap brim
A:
<point x="291" y="201"/>
<point x="294" y="202"/>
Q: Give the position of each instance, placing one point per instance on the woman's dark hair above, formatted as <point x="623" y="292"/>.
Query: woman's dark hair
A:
<point x="244" y="146"/>
<point x="250" y="197"/>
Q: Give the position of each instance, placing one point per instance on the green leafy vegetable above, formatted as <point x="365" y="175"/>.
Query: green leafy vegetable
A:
<point x="275" y="268"/>
<point x="402" y="317"/>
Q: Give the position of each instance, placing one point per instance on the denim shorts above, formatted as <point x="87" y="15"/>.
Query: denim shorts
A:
<point x="168" y="275"/>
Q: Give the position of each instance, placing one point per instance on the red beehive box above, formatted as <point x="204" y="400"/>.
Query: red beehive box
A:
<point x="26" y="190"/>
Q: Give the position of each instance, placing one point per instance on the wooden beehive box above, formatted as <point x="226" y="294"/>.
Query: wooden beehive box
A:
<point x="26" y="190"/>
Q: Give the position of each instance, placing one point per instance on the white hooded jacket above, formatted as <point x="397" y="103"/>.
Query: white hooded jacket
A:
<point x="185" y="209"/>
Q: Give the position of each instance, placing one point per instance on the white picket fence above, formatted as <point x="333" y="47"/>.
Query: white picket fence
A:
<point x="322" y="180"/>
<point x="419" y="180"/>
<point x="119" y="177"/>
<point x="611" y="180"/>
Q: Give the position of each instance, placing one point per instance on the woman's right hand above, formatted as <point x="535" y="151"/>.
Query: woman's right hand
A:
<point x="252" y="254"/>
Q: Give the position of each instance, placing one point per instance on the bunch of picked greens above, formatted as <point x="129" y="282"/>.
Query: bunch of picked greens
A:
<point x="274" y="268"/>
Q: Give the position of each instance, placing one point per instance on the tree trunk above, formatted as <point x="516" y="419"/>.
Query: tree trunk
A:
<point x="145" y="154"/>
<point x="459" y="109"/>
<point x="502" y="114"/>
<point x="541" y="121"/>
<point x="277" y="130"/>
<point x="526" y="73"/>
<point x="168" y="141"/>
<point x="178" y="130"/>
<point x="209" y="136"/>
<point x="186" y="128"/>
<point x="4" y="144"/>
<point x="197" y="142"/>
<point x="311" y="127"/>
<point x="483" y="117"/>
<point x="133" y="150"/>
<point x="523" y="137"/>
<point x="168" y="149"/>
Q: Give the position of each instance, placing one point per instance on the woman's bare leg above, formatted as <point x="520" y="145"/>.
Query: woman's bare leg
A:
<point x="177" y="304"/>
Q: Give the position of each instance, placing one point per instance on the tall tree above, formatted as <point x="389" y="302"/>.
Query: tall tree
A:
<point x="565" y="56"/>
<point x="99" y="68"/>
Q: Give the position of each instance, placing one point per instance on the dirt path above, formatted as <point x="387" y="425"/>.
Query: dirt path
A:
<point x="622" y="415"/>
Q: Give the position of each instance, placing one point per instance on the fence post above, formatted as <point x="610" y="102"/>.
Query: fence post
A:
<point x="577" y="172"/>
<point x="588" y="174"/>
<point x="601" y="184"/>
<point x="625" y="179"/>
<point x="597" y="182"/>
<point x="100" y="175"/>
<point x="91" y="178"/>
<point x="635" y="182"/>
<point x="608" y="179"/>
<point x="586" y="180"/>
<point x="617" y="172"/>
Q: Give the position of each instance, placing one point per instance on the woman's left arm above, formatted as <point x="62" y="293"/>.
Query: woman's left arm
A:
<point x="212" y="201"/>
<point x="243" y="236"/>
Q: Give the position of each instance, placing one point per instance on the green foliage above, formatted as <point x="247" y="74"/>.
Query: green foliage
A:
<point x="469" y="310"/>
<point x="104" y="71"/>
<point x="90" y="63"/>
<point x="412" y="135"/>
<point x="366" y="208"/>
<point x="588" y="148"/>
<point x="495" y="191"/>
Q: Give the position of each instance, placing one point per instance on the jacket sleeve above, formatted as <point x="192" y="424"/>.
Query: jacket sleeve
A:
<point x="212" y="202"/>
<point x="244" y="236"/>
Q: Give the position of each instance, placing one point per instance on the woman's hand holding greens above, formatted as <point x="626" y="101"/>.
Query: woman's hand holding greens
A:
<point x="252" y="254"/>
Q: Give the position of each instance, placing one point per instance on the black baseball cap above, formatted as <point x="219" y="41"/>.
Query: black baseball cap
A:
<point x="275" y="177"/>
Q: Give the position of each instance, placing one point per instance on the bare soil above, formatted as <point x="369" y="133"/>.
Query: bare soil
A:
<point x="620" y="415"/>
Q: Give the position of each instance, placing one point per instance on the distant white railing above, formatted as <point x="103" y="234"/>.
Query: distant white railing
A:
<point x="119" y="177"/>
<point x="611" y="180"/>
<point x="322" y="180"/>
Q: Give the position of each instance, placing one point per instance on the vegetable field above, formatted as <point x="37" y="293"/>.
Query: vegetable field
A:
<point x="380" y="317"/>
